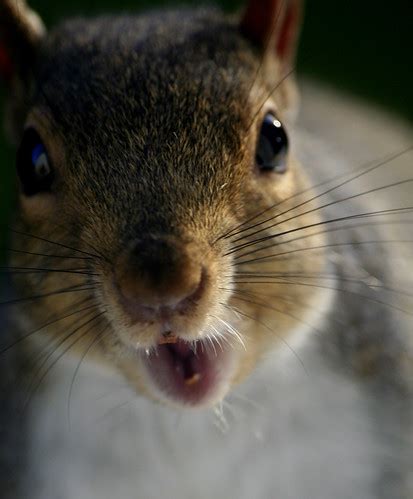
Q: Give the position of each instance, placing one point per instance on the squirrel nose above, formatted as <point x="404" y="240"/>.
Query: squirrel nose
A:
<point x="160" y="273"/>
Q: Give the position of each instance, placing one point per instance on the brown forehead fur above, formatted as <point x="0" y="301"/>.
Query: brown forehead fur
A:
<point x="155" y="116"/>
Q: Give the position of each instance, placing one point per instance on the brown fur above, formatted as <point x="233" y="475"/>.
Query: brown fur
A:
<point x="158" y="143"/>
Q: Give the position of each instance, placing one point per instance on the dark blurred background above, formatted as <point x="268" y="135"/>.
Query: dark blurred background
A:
<point x="362" y="46"/>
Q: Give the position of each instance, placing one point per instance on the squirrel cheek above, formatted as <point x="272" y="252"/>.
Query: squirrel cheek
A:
<point x="37" y="208"/>
<point x="282" y="186"/>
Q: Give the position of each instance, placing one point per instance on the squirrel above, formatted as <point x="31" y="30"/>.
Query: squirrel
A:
<point x="205" y="298"/>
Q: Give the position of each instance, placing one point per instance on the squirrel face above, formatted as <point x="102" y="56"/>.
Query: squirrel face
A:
<point x="152" y="150"/>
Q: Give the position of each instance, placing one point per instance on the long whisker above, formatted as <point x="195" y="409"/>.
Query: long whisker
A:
<point x="358" y="175"/>
<point x="269" y="94"/>
<point x="51" y="346"/>
<point x="268" y="40"/>
<point x="50" y="323"/>
<point x="223" y="337"/>
<point x="331" y="203"/>
<point x="340" y="290"/>
<point x="71" y="289"/>
<point x="45" y="255"/>
<point x="35" y="270"/>
<point x="233" y="332"/>
<point x="61" y="245"/>
<point x="285" y="299"/>
<point x="377" y="285"/>
<point x="271" y="330"/>
<point x="364" y="169"/>
<point x="107" y="413"/>
<point x="218" y="337"/>
<point x="274" y="256"/>
<point x="94" y="341"/>
<point x="369" y="214"/>
<point x="92" y="323"/>
<point x="237" y="296"/>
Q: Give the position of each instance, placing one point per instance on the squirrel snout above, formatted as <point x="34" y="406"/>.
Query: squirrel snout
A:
<point x="159" y="274"/>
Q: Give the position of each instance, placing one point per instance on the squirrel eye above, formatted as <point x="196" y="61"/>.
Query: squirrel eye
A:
<point x="272" y="148"/>
<point x="34" y="167"/>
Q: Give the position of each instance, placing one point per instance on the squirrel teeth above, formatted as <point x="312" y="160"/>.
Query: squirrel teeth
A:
<point x="168" y="339"/>
<point x="195" y="378"/>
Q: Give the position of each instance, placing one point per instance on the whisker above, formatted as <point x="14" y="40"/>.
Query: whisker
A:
<point x="113" y="409"/>
<point x="221" y="421"/>
<point x="33" y="270"/>
<point x="273" y="256"/>
<point x="45" y="255"/>
<point x="218" y="337"/>
<point x="369" y="214"/>
<point x="47" y="324"/>
<point x="269" y="94"/>
<point x="331" y="277"/>
<point x="61" y="245"/>
<point x="271" y="330"/>
<point x="53" y="343"/>
<point x="267" y="42"/>
<point x="98" y="252"/>
<point x="33" y="390"/>
<point x="211" y="342"/>
<point x="224" y="338"/>
<point x="358" y="175"/>
<point x="233" y="332"/>
<point x="331" y="203"/>
<point x="340" y="290"/>
<point x="71" y="289"/>
<point x="364" y="169"/>
<point x="94" y="341"/>
<point x="275" y="309"/>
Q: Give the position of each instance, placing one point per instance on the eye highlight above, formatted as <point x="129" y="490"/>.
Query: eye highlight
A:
<point x="272" y="147"/>
<point x="34" y="167"/>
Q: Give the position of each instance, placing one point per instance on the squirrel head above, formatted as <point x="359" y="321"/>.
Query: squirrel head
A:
<point x="153" y="157"/>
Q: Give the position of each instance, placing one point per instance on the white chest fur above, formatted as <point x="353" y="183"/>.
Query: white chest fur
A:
<point x="287" y="433"/>
<point x="290" y="432"/>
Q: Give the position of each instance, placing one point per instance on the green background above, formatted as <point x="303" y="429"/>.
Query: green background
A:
<point x="362" y="46"/>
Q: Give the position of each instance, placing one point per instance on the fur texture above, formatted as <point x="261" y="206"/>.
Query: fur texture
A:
<point x="151" y="123"/>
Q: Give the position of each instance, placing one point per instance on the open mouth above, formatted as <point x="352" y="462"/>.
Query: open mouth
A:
<point x="191" y="373"/>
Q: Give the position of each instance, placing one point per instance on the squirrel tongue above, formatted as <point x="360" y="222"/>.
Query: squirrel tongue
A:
<point x="186" y="372"/>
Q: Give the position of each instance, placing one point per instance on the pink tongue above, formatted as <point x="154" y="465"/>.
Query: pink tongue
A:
<point x="182" y="374"/>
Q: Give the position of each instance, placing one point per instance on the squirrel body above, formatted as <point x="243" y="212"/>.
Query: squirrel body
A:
<point x="304" y="389"/>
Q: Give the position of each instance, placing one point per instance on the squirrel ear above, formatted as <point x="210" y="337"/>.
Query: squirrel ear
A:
<point x="21" y="29"/>
<point x="274" y="25"/>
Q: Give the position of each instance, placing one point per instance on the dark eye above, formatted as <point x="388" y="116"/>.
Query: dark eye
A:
<point x="34" y="167"/>
<point x="272" y="148"/>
